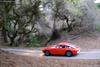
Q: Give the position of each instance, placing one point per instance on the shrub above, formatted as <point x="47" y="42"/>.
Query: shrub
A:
<point x="34" y="42"/>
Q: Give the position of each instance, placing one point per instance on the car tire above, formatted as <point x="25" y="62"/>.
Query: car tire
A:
<point x="68" y="54"/>
<point x="47" y="53"/>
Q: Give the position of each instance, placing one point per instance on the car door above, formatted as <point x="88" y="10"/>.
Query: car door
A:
<point x="59" y="50"/>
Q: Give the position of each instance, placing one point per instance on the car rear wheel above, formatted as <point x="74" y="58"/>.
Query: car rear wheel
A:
<point x="69" y="53"/>
<point x="47" y="53"/>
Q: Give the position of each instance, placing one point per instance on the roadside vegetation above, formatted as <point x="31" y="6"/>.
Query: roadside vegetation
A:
<point x="98" y="5"/>
<point x="38" y="22"/>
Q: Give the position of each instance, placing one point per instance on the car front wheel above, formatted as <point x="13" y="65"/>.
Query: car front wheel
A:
<point x="47" y="53"/>
<point x="69" y="53"/>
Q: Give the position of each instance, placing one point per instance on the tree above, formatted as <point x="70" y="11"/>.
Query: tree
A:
<point x="61" y="12"/>
<point x="5" y="7"/>
<point x="88" y="9"/>
<point x="20" y="19"/>
<point x="98" y="5"/>
<point x="20" y="22"/>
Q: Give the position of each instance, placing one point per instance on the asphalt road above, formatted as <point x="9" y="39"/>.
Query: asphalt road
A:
<point x="90" y="54"/>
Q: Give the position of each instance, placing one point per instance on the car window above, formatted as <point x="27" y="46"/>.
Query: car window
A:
<point x="67" y="46"/>
<point x="57" y="46"/>
<point x="61" y="46"/>
<point x="71" y="45"/>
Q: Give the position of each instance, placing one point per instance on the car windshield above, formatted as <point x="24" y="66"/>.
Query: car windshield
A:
<point x="71" y="45"/>
<point x="53" y="46"/>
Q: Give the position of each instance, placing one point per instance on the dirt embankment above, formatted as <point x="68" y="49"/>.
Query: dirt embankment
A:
<point x="11" y="60"/>
<point x="88" y="41"/>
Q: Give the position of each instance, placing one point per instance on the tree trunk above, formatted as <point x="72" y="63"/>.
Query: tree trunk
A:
<point x="69" y="28"/>
<point x="11" y="41"/>
<point x="55" y="34"/>
<point x="4" y="33"/>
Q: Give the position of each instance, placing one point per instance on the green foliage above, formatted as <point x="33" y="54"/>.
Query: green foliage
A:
<point x="73" y="7"/>
<point x="73" y="1"/>
<point x="26" y="2"/>
<point x="35" y="42"/>
<point x="16" y="18"/>
<point x="98" y="27"/>
<point x="98" y="5"/>
<point x="75" y="10"/>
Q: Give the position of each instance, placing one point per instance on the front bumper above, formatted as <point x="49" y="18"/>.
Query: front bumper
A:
<point x="78" y="51"/>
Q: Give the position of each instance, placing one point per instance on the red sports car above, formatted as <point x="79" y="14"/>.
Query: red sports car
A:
<point x="62" y="48"/>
